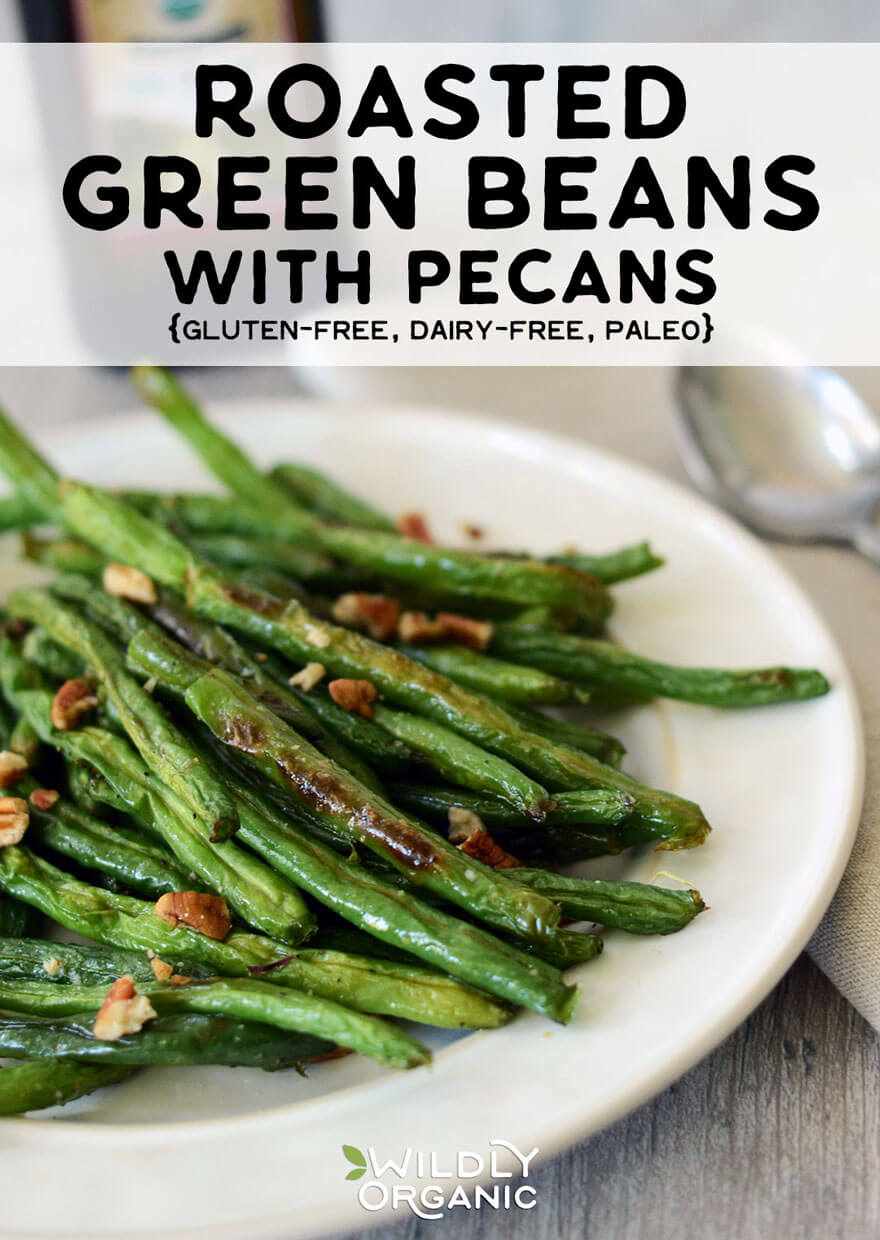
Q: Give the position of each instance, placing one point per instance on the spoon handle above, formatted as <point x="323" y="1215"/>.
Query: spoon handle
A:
<point x="866" y="539"/>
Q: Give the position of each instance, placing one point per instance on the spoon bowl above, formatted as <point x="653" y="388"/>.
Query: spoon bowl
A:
<point x="792" y="451"/>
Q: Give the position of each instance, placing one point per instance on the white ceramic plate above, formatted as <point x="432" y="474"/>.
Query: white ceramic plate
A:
<point x="242" y="1153"/>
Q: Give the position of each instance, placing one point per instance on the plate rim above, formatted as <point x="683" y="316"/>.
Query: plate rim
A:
<point x="558" y="1137"/>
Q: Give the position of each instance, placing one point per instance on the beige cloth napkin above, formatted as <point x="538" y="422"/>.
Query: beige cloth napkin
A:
<point x="846" y="946"/>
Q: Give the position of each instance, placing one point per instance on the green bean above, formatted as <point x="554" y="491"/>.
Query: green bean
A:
<point x="287" y="760"/>
<point x="16" y="919"/>
<point x="118" y="617"/>
<point x="376" y="905"/>
<point x="24" y="741"/>
<point x="520" y="581"/>
<point x="570" y="948"/>
<point x="209" y="515"/>
<point x="462" y="762"/>
<point x="509" y="682"/>
<point x="215" y="645"/>
<point x="7" y="714"/>
<point x="640" y="908"/>
<point x="610" y="567"/>
<point x="396" y="918"/>
<point x="601" y="745"/>
<point x="345" y="938"/>
<point x="69" y="555"/>
<point x="299" y="562"/>
<point x="16" y="513"/>
<point x="44" y="1083"/>
<point x="300" y="1013"/>
<point x="122" y="620"/>
<point x="376" y="746"/>
<point x="365" y="819"/>
<point x="50" y="657"/>
<point x="240" y="1000"/>
<point x="320" y="494"/>
<point x="561" y="840"/>
<point x="408" y="992"/>
<point x="613" y="566"/>
<point x="161" y="745"/>
<point x="288" y="627"/>
<point x="64" y="555"/>
<point x="466" y="574"/>
<point x="466" y="952"/>
<point x="91" y="792"/>
<point x="144" y="867"/>
<point x="615" y="669"/>
<point x="125" y="535"/>
<point x="121" y="533"/>
<point x="261" y="897"/>
<point x="42" y="960"/>
<point x="170" y="1040"/>
<point x="35" y="481"/>
<point x="272" y="582"/>
<point x="567" y="809"/>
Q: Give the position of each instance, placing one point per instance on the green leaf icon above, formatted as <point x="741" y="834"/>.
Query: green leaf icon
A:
<point x="356" y="1173"/>
<point x="353" y="1154"/>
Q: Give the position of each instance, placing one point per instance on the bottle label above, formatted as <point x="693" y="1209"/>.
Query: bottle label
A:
<point x="208" y="21"/>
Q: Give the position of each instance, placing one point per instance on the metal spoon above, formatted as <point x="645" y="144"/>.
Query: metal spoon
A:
<point x="792" y="451"/>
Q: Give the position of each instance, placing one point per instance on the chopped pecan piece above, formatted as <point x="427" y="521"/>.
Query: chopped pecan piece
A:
<point x="52" y="966"/>
<point x="462" y="823"/>
<point x="197" y="909"/>
<point x="375" y="614"/>
<point x="417" y="628"/>
<point x="129" y="583"/>
<point x="307" y="677"/>
<point x="73" y="700"/>
<point x="12" y="767"/>
<point x="14" y="820"/>
<point x="473" y="531"/>
<point x="318" y="637"/>
<point x="43" y="798"/>
<point x="414" y="525"/>
<point x="466" y="830"/>
<point x="465" y="630"/>
<point x="123" y="1011"/>
<point x="161" y="971"/>
<point x="354" y="695"/>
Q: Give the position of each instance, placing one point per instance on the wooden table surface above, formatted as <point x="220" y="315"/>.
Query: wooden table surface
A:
<point x="775" y="1134"/>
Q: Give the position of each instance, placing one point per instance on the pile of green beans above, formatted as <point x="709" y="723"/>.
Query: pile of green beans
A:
<point x="401" y="861"/>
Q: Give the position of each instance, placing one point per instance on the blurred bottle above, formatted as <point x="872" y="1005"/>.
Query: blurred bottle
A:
<point x="144" y="21"/>
<point x="131" y="96"/>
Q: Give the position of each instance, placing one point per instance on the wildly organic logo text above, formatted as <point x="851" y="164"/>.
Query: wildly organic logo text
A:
<point x="416" y="1180"/>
